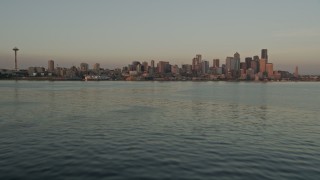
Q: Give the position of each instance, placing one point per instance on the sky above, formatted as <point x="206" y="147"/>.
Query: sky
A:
<point x="116" y="32"/>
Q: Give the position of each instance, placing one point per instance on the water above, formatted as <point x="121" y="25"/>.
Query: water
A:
<point x="159" y="130"/>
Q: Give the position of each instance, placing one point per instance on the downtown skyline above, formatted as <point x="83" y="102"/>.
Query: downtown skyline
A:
<point x="114" y="33"/>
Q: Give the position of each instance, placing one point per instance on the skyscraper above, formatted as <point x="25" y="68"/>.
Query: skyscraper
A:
<point x="254" y="66"/>
<point x="205" y="67"/>
<point x="50" y="66"/>
<point x="196" y="63"/>
<point x="199" y="57"/>
<point x="96" y="68"/>
<point x="248" y="62"/>
<point x="162" y="66"/>
<point x="264" y="54"/>
<point x="243" y="66"/>
<point x="262" y="65"/>
<point x="215" y="63"/>
<point x="296" y="72"/>
<point x="228" y="64"/>
<point x="269" y="69"/>
<point x="236" y="62"/>
<point x="145" y="66"/>
<point x="152" y="69"/>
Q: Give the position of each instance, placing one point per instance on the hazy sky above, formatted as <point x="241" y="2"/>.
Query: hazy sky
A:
<point x="116" y="32"/>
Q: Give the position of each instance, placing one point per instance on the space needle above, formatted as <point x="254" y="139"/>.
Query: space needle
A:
<point x="15" y="49"/>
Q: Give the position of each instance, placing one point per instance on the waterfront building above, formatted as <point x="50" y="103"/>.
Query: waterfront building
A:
<point x="134" y="65"/>
<point x="205" y="67"/>
<point x="296" y="72"/>
<point x="152" y="68"/>
<point x="167" y="68"/>
<point x="145" y="66"/>
<point x="262" y="65"/>
<point x="63" y="72"/>
<point x="71" y="73"/>
<point x="51" y="66"/>
<point x="130" y="67"/>
<point x="218" y="70"/>
<point x="243" y="66"/>
<point x="197" y="63"/>
<point x="194" y="64"/>
<point x="269" y="70"/>
<point x="162" y="66"/>
<point x="250" y="74"/>
<point x="199" y="57"/>
<point x="32" y="71"/>
<point x="215" y="63"/>
<point x="255" y="65"/>
<point x="264" y="54"/>
<point x="186" y="68"/>
<point x="235" y="63"/>
<point x="223" y="67"/>
<point x="84" y="67"/>
<point x="36" y="71"/>
<point x="248" y="62"/>
<point x="228" y="64"/>
<point x="277" y="75"/>
<point x="243" y="74"/>
<point x="262" y="68"/>
<point x="96" y="68"/>
<point x="138" y="68"/>
<point x="175" y="69"/>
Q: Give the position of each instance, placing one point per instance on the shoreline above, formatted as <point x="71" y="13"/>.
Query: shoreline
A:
<point x="65" y="79"/>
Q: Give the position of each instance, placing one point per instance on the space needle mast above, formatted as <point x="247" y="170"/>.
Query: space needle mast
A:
<point x="15" y="49"/>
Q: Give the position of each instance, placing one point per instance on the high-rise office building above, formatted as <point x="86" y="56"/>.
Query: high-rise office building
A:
<point x="248" y="62"/>
<point x="215" y="63"/>
<point x="96" y="68"/>
<point x="269" y="69"/>
<point x="264" y="54"/>
<point x="254" y="66"/>
<point x="205" y="67"/>
<point x="152" y="68"/>
<point x="228" y="64"/>
<point x="243" y="66"/>
<point x="186" y="68"/>
<point x="50" y="66"/>
<point x="199" y="57"/>
<point x="236" y="55"/>
<point x="236" y="62"/>
<point x="262" y="65"/>
<point x="196" y="63"/>
<point x="162" y="67"/>
<point x="145" y="66"/>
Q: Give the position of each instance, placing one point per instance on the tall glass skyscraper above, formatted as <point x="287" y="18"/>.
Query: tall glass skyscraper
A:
<point x="264" y="54"/>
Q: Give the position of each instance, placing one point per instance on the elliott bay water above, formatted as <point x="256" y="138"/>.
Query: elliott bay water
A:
<point x="159" y="130"/>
